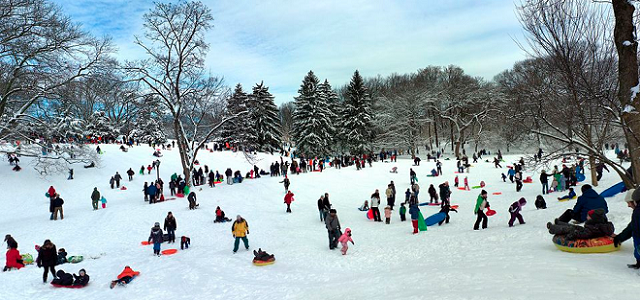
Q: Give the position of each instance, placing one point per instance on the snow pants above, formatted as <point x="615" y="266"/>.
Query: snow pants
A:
<point x="236" y="244"/>
<point x="334" y="235"/>
<point x="514" y="216"/>
<point x="481" y="218"/>
<point x="569" y="215"/>
<point x="545" y="187"/>
<point x="156" y="248"/>
<point x="376" y="214"/>
<point x="95" y="204"/>
<point x="345" y="247"/>
<point x="172" y="235"/>
<point x="46" y="272"/>
<point x="415" y="226"/>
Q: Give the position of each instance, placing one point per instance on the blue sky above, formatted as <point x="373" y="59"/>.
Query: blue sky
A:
<point x="280" y="41"/>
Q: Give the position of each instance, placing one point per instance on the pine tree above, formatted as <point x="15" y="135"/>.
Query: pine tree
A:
<point x="148" y="125"/>
<point x="264" y="120"/>
<point x="357" y="125"/>
<point x="236" y="131"/>
<point x="100" y="126"/>
<point x="312" y="119"/>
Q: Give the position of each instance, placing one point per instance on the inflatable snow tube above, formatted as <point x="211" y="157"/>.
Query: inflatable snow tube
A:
<point x="257" y="262"/>
<point x="595" y="245"/>
<point x="580" y="177"/>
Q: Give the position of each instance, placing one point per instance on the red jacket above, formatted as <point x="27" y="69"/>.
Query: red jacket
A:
<point x="51" y="191"/>
<point x="13" y="255"/>
<point x="128" y="272"/>
<point x="288" y="198"/>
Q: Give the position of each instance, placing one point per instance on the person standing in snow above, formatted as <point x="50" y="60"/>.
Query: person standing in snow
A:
<point x="466" y="184"/>
<point x="286" y="183"/>
<point x="481" y="204"/>
<point x="445" y="193"/>
<point x="389" y="193"/>
<point x="240" y="230"/>
<point x="375" y="202"/>
<point x="632" y="197"/>
<point x="515" y="209"/>
<point x="344" y="240"/>
<point x="433" y="194"/>
<point x="321" y="207"/>
<point x="130" y="172"/>
<point x="170" y="225"/>
<point x="228" y="173"/>
<point x="518" y="178"/>
<point x="327" y="205"/>
<point x="117" y="177"/>
<point x="95" y="197"/>
<point x="414" y="212"/>
<point x="412" y="176"/>
<point x="387" y="214"/>
<point x="288" y="198"/>
<point x="439" y="167"/>
<point x="544" y="180"/>
<point x="47" y="259"/>
<point x="57" y="207"/>
<point x="156" y="236"/>
<point x="333" y="228"/>
<point x="415" y="188"/>
<point x="456" y="181"/>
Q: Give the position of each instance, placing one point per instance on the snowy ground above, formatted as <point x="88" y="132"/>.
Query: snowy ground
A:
<point x="387" y="261"/>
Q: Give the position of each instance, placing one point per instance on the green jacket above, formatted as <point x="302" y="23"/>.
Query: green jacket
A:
<point x="479" y="204"/>
<point x="403" y="210"/>
<point x="95" y="196"/>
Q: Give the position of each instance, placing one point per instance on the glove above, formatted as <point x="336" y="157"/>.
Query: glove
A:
<point x="247" y="231"/>
<point x="234" y="235"/>
<point x="616" y="241"/>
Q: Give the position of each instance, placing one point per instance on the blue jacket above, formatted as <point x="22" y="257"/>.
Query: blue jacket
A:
<point x="414" y="211"/>
<point x="589" y="200"/>
<point x="635" y="224"/>
<point x="152" y="190"/>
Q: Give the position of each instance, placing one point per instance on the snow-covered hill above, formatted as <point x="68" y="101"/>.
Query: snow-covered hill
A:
<point x="386" y="262"/>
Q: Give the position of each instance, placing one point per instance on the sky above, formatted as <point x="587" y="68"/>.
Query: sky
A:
<point x="278" y="42"/>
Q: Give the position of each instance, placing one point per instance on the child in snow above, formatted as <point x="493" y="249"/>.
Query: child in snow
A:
<point x="345" y="238"/>
<point x="156" y="236"/>
<point x="540" y="203"/>
<point x="554" y="185"/>
<point x="125" y="277"/>
<point x="632" y="197"/>
<point x="288" y="198"/>
<point x="387" y="214"/>
<point x="104" y="202"/>
<point x="185" y="242"/>
<point x="571" y="195"/>
<point x="407" y="196"/>
<point x="364" y="207"/>
<point x="504" y="178"/>
<point x="414" y="212"/>
<point x="62" y="256"/>
<point x="403" y="211"/>
<point x="596" y="225"/>
<point x="456" y="181"/>
<point x="14" y="260"/>
<point x="261" y="255"/>
<point x="433" y="194"/>
<point x="446" y="209"/>
<point x="63" y="278"/>
<point x="82" y="279"/>
<point x="481" y="204"/>
<point x="515" y="209"/>
<point x="112" y="181"/>
<point x="466" y="184"/>
<point x="220" y="216"/>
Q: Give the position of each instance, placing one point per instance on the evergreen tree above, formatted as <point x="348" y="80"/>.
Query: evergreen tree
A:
<point x="357" y="125"/>
<point x="312" y="119"/>
<point x="100" y="126"/>
<point x="236" y="131"/>
<point x="265" y="130"/>
<point x="148" y="125"/>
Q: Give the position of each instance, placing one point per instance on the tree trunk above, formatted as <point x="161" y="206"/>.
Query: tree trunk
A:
<point x="435" y="131"/>
<point x="457" y="146"/>
<point x="624" y="33"/>
<point x="592" y="166"/>
<point x="183" y="149"/>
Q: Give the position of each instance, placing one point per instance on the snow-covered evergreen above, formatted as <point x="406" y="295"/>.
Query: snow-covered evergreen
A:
<point x="237" y="131"/>
<point x="312" y="120"/>
<point x="356" y="124"/>
<point x="264" y="119"/>
<point x="100" y="126"/>
<point x="148" y="126"/>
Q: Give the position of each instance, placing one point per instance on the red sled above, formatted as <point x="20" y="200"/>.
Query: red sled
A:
<point x="145" y="243"/>
<point x="370" y="214"/>
<point x="68" y="286"/>
<point x="497" y="193"/>
<point x="169" y="251"/>
<point x="180" y="195"/>
<point x="490" y="212"/>
<point x="123" y="188"/>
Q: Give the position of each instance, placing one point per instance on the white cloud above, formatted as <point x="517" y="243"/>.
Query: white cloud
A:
<point x="279" y="41"/>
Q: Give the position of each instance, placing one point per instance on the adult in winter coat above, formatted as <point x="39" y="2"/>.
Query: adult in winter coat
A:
<point x="481" y="204"/>
<point x="152" y="190"/>
<point x="333" y="228"/>
<point x="414" y="212"/>
<point x="130" y="173"/>
<point x="515" y="209"/>
<point x="240" y="229"/>
<point x="286" y="182"/>
<point x="156" y="236"/>
<point x="125" y="276"/>
<point x="375" y="203"/>
<point x="633" y="229"/>
<point x="228" y="173"/>
<point x="415" y="188"/>
<point x="47" y="259"/>
<point x="589" y="200"/>
<point x="170" y="225"/>
<point x="433" y="194"/>
<point x="595" y="226"/>
<point x="117" y="177"/>
<point x="95" y="197"/>
<point x="445" y="193"/>
<point x="57" y="207"/>
<point x="518" y="178"/>
<point x="321" y="208"/>
<point x="327" y="204"/>
<point x="389" y="193"/>
<point x="544" y="180"/>
<point x="288" y="198"/>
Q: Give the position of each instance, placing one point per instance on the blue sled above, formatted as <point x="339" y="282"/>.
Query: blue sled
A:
<point x="614" y="190"/>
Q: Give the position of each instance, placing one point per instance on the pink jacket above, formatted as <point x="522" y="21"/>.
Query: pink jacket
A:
<point x="345" y="238"/>
<point x="387" y="212"/>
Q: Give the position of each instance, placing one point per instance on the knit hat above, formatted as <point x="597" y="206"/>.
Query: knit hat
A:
<point x="157" y="224"/>
<point x="597" y="215"/>
<point x="628" y="197"/>
<point x="636" y="195"/>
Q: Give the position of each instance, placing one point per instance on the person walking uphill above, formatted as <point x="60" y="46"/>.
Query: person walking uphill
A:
<point x="515" y="209"/>
<point x="333" y="228"/>
<point x="481" y="204"/>
<point x="240" y="229"/>
<point x="156" y="236"/>
<point x="288" y="198"/>
<point x="170" y="225"/>
<point x="95" y="197"/>
<point x="47" y="259"/>
<point x="633" y="229"/>
<point x="117" y="178"/>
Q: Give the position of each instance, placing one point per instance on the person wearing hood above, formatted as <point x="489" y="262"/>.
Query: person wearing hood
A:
<point x="515" y="209"/>
<point x="63" y="278"/>
<point x="595" y="226"/>
<point x="95" y="197"/>
<point x="82" y="279"/>
<point x="47" y="258"/>
<point x="632" y="230"/>
<point x="590" y="200"/>
<point x="344" y="241"/>
<point x="288" y="198"/>
<point x="445" y="193"/>
<point x="156" y="236"/>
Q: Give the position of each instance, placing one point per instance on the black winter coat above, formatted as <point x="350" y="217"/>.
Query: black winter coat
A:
<point x="47" y="257"/>
<point x="170" y="223"/>
<point x="57" y="202"/>
<point x="81" y="280"/>
<point x="63" y="278"/>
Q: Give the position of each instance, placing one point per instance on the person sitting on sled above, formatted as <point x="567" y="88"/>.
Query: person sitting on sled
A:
<point x="220" y="216"/>
<point x="365" y="206"/>
<point x="262" y="255"/>
<point x="571" y="195"/>
<point x="82" y="279"/>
